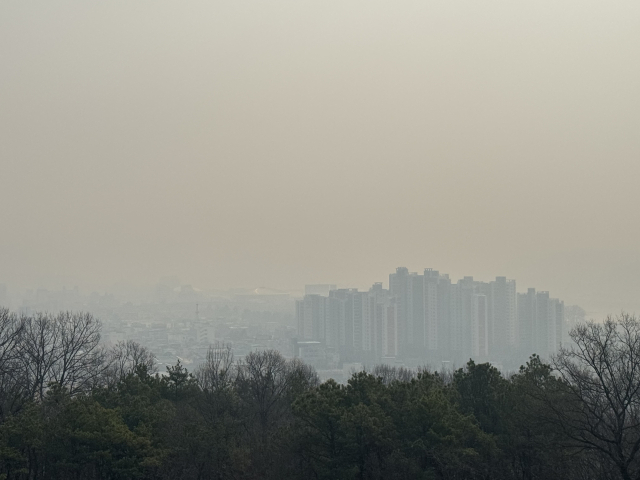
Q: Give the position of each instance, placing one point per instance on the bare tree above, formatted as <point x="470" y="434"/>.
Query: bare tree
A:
<point x="389" y="374"/>
<point x="11" y="333"/>
<point x="301" y="377"/>
<point x="11" y="329"/>
<point x="597" y="401"/>
<point x="125" y="358"/>
<point x="218" y="371"/>
<point x="266" y="383"/>
<point x="64" y="349"/>
<point x="39" y="353"/>
<point x="81" y="358"/>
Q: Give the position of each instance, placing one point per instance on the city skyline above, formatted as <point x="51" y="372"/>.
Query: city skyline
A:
<point x="429" y="318"/>
<point x="225" y="227"/>
<point x="599" y="305"/>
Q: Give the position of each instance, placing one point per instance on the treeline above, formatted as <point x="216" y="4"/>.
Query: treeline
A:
<point x="71" y="409"/>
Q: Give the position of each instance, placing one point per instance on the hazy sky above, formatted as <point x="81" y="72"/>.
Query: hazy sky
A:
<point x="281" y="143"/>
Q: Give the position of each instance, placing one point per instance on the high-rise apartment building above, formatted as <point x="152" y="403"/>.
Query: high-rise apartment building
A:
<point x="389" y="331"/>
<point x="527" y="314"/>
<point x="544" y="328"/>
<point x="444" y="318"/>
<point x="503" y="317"/>
<point x="310" y="313"/>
<point x="480" y="327"/>
<point x="335" y="322"/>
<point x="556" y="324"/>
<point x="398" y="287"/>
<point x="430" y="312"/>
<point x="425" y="318"/>
<point x="416" y="332"/>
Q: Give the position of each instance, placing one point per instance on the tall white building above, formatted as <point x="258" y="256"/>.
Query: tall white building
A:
<point x="310" y="313"/>
<point x="430" y="310"/>
<point x="503" y="317"/>
<point x="480" y="327"/>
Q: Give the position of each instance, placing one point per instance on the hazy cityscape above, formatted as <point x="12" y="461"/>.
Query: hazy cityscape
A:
<point x="319" y="240"/>
<point x="418" y="320"/>
<point x="428" y="319"/>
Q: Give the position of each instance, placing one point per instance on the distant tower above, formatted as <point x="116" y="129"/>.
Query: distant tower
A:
<point x="197" y="313"/>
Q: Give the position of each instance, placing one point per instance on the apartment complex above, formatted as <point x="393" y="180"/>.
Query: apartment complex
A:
<point x="427" y="318"/>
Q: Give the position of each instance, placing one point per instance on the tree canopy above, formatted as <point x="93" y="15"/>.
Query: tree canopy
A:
<point x="72" y="409"/>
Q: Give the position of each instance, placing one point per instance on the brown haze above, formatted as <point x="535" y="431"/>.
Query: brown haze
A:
<point x="289" y="142"/>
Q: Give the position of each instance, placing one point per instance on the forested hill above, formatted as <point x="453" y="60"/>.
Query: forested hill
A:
<point x="73" y="410"/>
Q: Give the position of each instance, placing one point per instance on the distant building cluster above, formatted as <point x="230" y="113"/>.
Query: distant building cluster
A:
<point x="428" y="319"/>
<point x="421" y="319"/>
<point x="175" y="321"/>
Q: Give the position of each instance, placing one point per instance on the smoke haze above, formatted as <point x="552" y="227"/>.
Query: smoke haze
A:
<point x="286" y="142"/>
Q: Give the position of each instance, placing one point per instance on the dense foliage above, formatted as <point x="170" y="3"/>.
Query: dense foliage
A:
<point x="112" y="417"/>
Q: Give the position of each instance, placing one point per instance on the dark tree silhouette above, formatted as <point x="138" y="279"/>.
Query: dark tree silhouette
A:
<point x="601" y="391"/>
